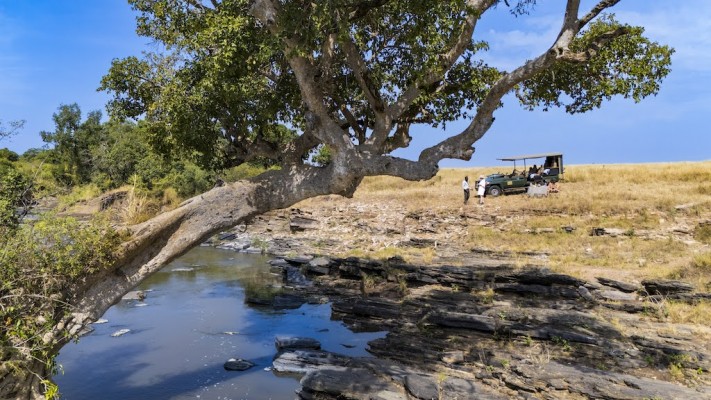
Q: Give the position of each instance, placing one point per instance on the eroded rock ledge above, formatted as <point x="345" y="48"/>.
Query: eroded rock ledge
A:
<point x="498" y="332"/>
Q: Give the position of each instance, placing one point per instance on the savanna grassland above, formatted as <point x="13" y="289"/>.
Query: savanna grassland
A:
<point x="656" y="220"/>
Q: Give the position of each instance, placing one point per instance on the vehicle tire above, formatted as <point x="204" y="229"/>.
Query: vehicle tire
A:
<point x="495" y="191"/>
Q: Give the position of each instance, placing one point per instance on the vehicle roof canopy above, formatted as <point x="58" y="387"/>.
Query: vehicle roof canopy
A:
<point x="525" y="157"/>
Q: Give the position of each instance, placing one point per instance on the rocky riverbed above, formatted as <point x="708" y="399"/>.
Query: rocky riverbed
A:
<point x="472" y="324"/>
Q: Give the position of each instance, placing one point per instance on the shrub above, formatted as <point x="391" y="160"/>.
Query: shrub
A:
<point x="41" y="267"/>
<point x="14" y="193"/>
<point x="189" y="180"/>
<point x="9" y="155"/>
<point x="243" y="171"/>
<point x="80" y="193"/>
<point x="170" y="199"/>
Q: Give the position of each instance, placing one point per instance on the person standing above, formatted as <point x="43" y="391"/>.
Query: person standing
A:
<point x="481" y="189"/>
<point x="465" y="186"/>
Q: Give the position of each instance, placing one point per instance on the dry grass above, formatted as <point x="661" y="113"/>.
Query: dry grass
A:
<point x="136" y="208"/>
<point x="679" y="312"/>
<point x="79" y="194"/>
<point x="619" y="190"/>
<point x="140" y="205"/>
<point x="653" y="204"/>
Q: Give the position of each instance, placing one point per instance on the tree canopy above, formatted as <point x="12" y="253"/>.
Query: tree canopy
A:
<point x="356" y="75"/>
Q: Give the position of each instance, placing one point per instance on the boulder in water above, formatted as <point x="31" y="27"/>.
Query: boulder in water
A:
<point x="238" y="364"/>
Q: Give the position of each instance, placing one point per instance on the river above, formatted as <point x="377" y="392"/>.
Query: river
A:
<point x="193" y="319"/>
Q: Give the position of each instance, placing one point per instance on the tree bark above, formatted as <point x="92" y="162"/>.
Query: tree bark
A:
<point x="25" y="385"/>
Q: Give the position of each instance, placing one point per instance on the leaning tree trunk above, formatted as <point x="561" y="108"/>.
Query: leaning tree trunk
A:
<point x="156" y="242"/>
<point x="21" y="378"/>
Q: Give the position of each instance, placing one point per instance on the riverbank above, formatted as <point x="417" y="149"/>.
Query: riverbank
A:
<point x="498" y="332"/>
<point x="587" y="293"/>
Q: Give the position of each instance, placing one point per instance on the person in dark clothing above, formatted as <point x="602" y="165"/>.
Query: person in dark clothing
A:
<point x="465" y="186"/>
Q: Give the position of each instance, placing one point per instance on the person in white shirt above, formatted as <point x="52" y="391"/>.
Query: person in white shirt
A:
<point x="481" y="189"/>
<point x="465" y="186"/>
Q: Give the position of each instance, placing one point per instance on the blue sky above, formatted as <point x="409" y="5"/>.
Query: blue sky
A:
<point x="55" y="52"/>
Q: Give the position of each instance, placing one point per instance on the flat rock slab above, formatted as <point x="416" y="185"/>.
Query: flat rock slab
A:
<point x="134" y="295"/>
<point x="665" y="287"/>
<point x="318" y="267"/>
<point x="295" y="342"/>
<point x="457" y="388"/>
<point x="303" y="361"/>
<point x="349" y="383"/>
<point x="615" y="295"/>
<point x="480" y="323"/>
<point x="623" y="286"/>
<point x="422" y="387"/>
<point x="598" y="384"/>
<point x="284" y="301"/>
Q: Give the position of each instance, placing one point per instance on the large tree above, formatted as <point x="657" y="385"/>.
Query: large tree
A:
<point x="352" y="76"/>
<point x="72" y="140"/>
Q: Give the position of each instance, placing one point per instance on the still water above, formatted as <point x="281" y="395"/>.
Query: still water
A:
<point x="193" y="320"/>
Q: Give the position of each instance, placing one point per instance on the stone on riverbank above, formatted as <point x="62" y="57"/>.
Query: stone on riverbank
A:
<point x="238" y="364"/>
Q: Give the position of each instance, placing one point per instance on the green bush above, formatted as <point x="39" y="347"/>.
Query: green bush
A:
<point x="80" y="193"/>
<point x="15" y="192"/>
<point x="41" y="268"/>
<point x="7" y="154"/>
<point x="43" y="180"/>
<point x="322" y="156"/>
<point x="189" y="180"/>
<point x="243" y="171"/>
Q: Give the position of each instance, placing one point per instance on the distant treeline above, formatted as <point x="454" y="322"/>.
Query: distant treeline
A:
<point x="104" y="155"/>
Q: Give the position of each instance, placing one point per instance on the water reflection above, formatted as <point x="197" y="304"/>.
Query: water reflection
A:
<point x="194" y="320"/>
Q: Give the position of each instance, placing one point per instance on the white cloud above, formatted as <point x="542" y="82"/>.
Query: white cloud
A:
<point x="533" y="35"/>
<point x="686" y="26"/>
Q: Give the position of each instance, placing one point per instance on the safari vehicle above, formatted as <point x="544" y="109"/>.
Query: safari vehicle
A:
<point x="550" y="170"/>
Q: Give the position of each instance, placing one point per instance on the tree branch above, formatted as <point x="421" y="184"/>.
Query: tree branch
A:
<point x="400" y="139"/>
<point x="317" y="117"/>
<point x="460" y="145"/>
<point x="376" y="165"/>
<point x="357" y="64"/>
<point x="294" y="151"/>
<point x="599" y="42"/>
<point x="363" y="8"/>
<point x="595" y="11"/>
<point x="352" y="122"/>
<point x="447" y="59"/>
<point x="570" y="21"/>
